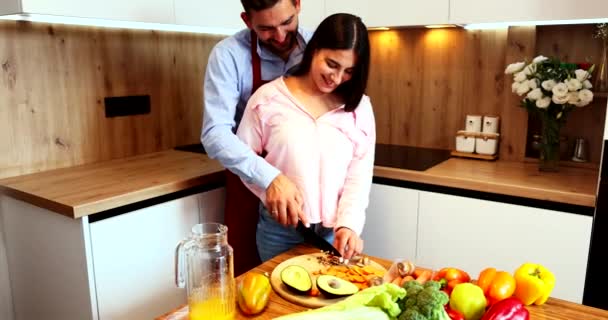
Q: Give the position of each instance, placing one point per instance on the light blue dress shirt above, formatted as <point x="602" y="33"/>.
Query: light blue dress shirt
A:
<point x="227" y="88"/>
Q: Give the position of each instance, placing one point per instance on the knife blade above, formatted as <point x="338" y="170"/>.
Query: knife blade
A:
<point x="316" y="240"/>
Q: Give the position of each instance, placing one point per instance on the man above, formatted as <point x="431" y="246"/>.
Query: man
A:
<point x="271" y="46"/>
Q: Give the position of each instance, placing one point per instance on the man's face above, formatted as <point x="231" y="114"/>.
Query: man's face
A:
<point x="276" y="27"/>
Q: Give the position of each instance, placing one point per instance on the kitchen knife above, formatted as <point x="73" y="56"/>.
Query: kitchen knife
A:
<point x="316" y="240"/>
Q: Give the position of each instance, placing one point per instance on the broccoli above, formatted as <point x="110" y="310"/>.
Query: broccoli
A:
<point x="423" y="302"/>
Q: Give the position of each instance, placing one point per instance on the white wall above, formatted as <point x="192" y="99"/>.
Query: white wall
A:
<point x="6" y="301"/>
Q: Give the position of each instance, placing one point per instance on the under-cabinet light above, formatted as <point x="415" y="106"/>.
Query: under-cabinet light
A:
<point x="378" y="28"/>
<point x="117" y="24"/>
<point x="438" y="26"/>
<point x="501" y="25"/>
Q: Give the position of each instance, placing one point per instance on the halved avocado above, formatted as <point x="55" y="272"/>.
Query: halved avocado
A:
<point x="334" y="287"/>
<point x="297" y="279"/>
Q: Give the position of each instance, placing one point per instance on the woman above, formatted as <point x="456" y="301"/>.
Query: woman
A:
<point x="317" y="127"/>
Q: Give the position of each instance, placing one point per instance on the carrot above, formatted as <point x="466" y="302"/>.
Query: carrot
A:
<point x="424" y="276"/>
<point x="417" y="272"/>
<point x="397" y="280"/>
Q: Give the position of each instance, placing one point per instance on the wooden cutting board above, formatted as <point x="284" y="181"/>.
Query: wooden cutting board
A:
<point x="311" y="264"/>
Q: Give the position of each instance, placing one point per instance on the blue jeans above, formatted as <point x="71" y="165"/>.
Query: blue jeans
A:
<point x="272" y="238"/>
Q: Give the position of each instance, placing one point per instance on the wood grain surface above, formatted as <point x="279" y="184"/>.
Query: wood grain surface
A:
<point x="311" y="264"/>
<point x="91" y="188"/>
<point x="53" y="80"/>
<point x="87" y="189"/>
<point x="580" y="46"/>
<point x="571" y="185"/>
<point x="423" y="82"/>
<point x="553" y="309"/>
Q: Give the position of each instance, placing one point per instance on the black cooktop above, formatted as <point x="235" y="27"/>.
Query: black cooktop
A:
<point x="410" y="158"/>
<point x="197" y="147"/>
<point x="387" y="155"/>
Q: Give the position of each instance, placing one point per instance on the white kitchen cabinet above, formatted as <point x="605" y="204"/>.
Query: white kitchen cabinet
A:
<point x="157" y="11"/>
<point x="133" y="259"/>
<point x="120" y="267"/>
<point x="386" y="13"/>
<point x="391" y="222"/>
<point x="210" y="14"/>
<point x="473" y="234"/>
<point x="227" y="16"/>
<point x="312" y="13"/>
<point x="482" y="11"/>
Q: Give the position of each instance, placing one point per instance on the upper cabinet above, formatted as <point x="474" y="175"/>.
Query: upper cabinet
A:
<point x="208" y="13"/>
<point x="312" y="13"/>
<point x="483" y="11"/>
<point x="156" y="11"/>
<point x="226" y="17"/>
<point x="388" y="13"/>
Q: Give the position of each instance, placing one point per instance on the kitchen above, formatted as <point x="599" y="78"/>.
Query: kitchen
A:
<point x="56" y="77"/>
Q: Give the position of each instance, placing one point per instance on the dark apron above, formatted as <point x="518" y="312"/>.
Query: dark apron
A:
<point x="241" y="209"/>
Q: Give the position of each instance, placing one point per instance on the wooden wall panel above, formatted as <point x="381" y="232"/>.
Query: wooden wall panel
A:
<point x="521" y="44"/>
<point x="53" y="80"/>
<point x="576" y="44"/>
<point x="423" y="82"/>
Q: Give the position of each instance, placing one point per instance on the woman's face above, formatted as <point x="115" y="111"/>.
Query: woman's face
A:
<point x="330" y="68"/>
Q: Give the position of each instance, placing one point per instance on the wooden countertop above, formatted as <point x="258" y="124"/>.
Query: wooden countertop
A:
<point x="83" y="190"/>
<point x="553" y="309"/>
<point x="87" y="189"/>
<point x="570" y="185"/>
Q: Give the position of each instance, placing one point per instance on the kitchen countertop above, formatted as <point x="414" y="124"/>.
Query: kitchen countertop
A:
<point x="570" y="185"/>
<point x="553" y="309"/>
<point x="87" y="189"/>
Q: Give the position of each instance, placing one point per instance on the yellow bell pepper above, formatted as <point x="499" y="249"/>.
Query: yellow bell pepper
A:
<point x="533" y="283"/>
<point x="253" y="292"/>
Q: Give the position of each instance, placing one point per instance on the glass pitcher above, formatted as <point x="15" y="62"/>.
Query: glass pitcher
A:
<point x="203" y="265"/>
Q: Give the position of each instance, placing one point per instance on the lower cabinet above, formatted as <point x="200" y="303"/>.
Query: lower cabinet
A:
<point x="391" y="222"/>
<point x="133" y="259"/>
<point x="473" y="234"/>
<point x="120" y="267"/>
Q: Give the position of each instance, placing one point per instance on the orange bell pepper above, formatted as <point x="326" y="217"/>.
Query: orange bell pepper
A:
<point x="496" y="285"/>
<point x="534" y="283"/>
<point x="253" y="293"/>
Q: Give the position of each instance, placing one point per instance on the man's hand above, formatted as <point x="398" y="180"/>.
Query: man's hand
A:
<point x="284" y="202"/>
<point x="347" y="242"/>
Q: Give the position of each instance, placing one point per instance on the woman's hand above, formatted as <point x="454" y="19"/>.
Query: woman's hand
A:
<point x="347" y="242"/>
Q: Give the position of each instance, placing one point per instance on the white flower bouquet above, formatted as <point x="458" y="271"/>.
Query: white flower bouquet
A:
<point x="550" y="90"/>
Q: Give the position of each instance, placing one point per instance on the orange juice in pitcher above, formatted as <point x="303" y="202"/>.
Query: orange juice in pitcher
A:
<point x="213" y="308"/>
<point x="204" y="266"/>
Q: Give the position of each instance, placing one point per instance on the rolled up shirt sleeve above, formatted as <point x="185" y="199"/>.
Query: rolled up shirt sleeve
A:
<point x="355" y="195"/>
<point x="221" y="96"/>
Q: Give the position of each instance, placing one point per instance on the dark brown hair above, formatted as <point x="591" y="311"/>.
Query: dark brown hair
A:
<point x="257" y="5"/>
<point x="338" y="32"/>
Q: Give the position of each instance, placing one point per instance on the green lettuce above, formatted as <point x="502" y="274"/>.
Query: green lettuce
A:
<point x="379" y="302"/>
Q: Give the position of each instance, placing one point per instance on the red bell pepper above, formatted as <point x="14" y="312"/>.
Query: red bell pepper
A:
<point x="507" y="309"/>
<point x="453" y="314"/>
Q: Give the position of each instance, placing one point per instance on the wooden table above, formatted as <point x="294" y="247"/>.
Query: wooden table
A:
<point x="553" y="309"/>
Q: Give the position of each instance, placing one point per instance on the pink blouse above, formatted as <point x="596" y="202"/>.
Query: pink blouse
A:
<point x="330" y="159"/>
